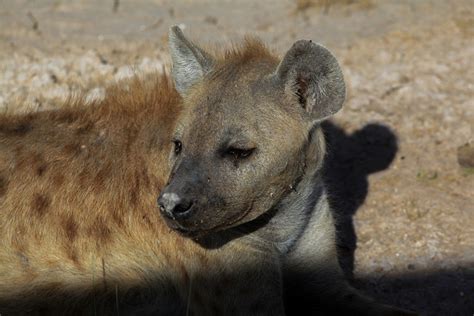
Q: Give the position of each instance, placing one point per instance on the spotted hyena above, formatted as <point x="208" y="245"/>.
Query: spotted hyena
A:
<point x="196" y="195"/>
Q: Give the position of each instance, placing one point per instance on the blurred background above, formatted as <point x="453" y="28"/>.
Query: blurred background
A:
<point x="401" y="153"/>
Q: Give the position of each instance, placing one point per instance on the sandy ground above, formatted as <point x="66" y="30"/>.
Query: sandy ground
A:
<point x="406" y="205"/>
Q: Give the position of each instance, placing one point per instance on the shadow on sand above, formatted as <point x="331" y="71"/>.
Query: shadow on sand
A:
<point x="351" y="159"/>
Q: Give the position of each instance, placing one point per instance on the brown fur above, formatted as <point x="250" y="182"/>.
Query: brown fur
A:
<point x="80" y="184"/>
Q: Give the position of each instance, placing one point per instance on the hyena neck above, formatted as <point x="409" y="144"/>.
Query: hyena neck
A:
<point x="289" y="218"/>
<point x="293" y="212"/>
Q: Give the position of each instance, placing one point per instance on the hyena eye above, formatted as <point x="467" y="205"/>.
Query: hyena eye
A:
<point x="178" y="146"/>
<point x="239" y="153"/>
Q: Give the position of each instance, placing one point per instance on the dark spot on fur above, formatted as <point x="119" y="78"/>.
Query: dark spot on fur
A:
<point x="70" y="228"/>
<point x="22" y="129"/>
<point x="103" y="234"/>
<point x="38" y="162"/>
<point x="41" y="169"/>
<point x="134" y="192"/>
<point x="3" y="185"/>
<point x="19" y="129"/>
<point x="144" y="177"/>
<point x="100" y="230"/>
<point x="134" y="196"/>
<point x="40" y="204"/>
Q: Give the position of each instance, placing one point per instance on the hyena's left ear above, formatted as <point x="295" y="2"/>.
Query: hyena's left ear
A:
<point x="311" y="76"/>
<point x="190" y="63"/>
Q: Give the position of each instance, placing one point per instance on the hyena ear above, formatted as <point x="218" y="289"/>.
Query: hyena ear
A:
<point x="190" y="63"/>
<point x="311" y="76"/>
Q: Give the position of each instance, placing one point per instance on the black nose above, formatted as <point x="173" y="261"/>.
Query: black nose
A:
<point x="175" y="207"/>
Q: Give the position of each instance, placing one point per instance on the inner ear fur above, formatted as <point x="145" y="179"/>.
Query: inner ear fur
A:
<point x="312" y="76"/>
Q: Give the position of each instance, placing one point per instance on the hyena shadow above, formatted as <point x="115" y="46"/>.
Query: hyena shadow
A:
<point x="350" y="160"/>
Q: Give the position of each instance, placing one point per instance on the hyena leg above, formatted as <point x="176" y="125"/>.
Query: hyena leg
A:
<point x="238" y="282"/>
<point x="314" y="279"/>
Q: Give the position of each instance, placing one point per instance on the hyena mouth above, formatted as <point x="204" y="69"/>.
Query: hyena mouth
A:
<point x="186" y="232"/>
<point x="192" y="233"/>
<point x="175" y="225"/>
<point x="195" y="231"/>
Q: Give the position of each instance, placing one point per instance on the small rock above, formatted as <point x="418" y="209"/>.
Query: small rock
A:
<point x="211" y="20"/>
<point x="466" y="155"/>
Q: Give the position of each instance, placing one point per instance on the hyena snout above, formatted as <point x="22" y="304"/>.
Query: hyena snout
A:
<point x="175" y="206"/>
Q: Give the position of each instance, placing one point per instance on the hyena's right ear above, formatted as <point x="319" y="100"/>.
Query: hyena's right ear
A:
<point x="311" y="78"/>
<point x="190" y="63"/>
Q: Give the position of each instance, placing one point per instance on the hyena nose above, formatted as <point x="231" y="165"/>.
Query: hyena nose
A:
<point x="173" y="206"/>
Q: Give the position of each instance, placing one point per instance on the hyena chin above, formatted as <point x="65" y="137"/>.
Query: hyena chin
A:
<point x="232" y="150"/>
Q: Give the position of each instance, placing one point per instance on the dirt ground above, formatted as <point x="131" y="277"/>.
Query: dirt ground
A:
<point x="406" y="205"/>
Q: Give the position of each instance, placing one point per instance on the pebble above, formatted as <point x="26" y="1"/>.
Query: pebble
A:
<point x="466" y="155"/>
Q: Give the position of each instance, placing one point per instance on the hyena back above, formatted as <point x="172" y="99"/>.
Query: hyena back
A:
<point x="232" y="150"/>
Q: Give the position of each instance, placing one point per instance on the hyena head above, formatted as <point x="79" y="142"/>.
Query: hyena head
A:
<point x="243" y="138"/>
